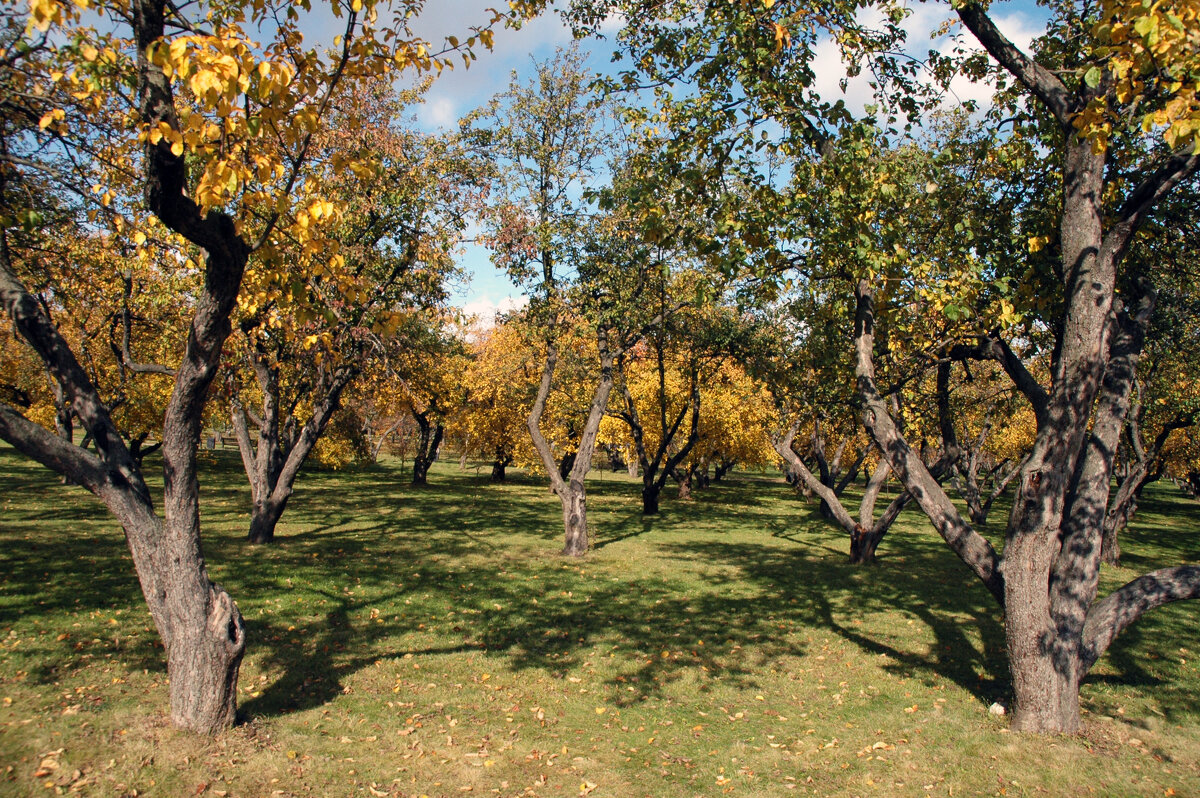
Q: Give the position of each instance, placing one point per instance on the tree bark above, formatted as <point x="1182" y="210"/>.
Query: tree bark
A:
<point x="273" y="463"/>
<point x="570" y="489"/>
<point x="428" y="442"/>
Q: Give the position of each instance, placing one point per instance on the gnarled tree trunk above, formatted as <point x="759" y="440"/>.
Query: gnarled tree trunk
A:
<point x="273" y="462"/>
<point x="571" y="490"/>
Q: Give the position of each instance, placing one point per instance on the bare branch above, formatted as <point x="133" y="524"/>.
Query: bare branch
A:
<point x="1040" y="81"/>
<point x="1108" y="618"/>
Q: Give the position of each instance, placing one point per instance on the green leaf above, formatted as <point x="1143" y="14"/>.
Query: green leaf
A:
<point x="1092" y="77"/>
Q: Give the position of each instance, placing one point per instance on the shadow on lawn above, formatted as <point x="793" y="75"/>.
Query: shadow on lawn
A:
<point x="358" y="550"/>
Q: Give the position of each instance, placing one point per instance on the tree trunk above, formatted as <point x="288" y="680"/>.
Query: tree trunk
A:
<point x="427" y="447"/>
<point x="203" y="662"/>
<point x="498" y="470"/>
<point x="650" y="494"/>
<point x="274" y="464"/>
<point x="574" y="506"/>
<point x="663" y="465"/>
<point x="863" y="543"/>
<point x="867" y="532"/>
<point x="568" y="463"/>
<point x="264" y="517"/>
<point x="570" y="489"/>
<point x="685" y="483"/>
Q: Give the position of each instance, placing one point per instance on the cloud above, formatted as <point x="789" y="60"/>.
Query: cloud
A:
<point x="437" y="112"/>
<point x="466" y="87"/>
<point x="485" y="308"/>
<point x="1021" y="28"/>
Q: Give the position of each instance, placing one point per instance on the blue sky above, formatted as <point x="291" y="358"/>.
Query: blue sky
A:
<point x="458" y="92"/>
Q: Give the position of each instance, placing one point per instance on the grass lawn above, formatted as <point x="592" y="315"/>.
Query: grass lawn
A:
<point x="432" y="642"/>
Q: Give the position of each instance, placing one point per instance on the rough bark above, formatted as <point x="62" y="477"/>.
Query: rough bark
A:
<point x="273" y="460"/>
<point x="570" y="488"/>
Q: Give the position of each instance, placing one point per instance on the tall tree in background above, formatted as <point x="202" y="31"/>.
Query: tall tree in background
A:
<point x="548" y="140"/>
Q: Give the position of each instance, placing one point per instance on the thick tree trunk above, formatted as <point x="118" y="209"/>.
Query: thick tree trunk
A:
<point x="863" y="544"/>
<point x="498" y="470"/>
<point x="574" y="506"/>
<point x="264" y="517"/>
<point x="684" y="476"/>
<point x="203" y="663"/>
<point x="650" y="494"/>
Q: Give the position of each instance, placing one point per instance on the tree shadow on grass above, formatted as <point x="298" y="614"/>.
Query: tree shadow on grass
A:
<point x="837" y="596"/>
<point x="460" y="552"/>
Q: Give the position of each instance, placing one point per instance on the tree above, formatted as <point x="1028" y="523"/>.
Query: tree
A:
<point x="1055" y="627"/>
<point x="1164" y="402"/>
<point x="737" y="409"/>
<point x="548" y="141"/>
<point x="306" y="340"/>
<point x="500" y="384"/>
<point x="1111" y="91"/>
<point x="432" y="377"/>
<point x="186" y="139"/>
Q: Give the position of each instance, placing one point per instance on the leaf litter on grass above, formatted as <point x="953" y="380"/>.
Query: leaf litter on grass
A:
<point x="697" y="654"/>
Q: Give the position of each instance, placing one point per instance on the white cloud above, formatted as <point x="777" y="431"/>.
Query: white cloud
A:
<point x="437" y="112"/>
<point x="830" y="69"/>
<point x="485" y="308"/>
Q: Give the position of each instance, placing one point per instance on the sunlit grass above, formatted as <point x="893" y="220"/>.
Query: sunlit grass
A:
<point x="431" y="641"/>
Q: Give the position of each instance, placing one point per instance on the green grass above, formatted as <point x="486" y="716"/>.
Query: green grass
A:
<point x="431" y="642"/>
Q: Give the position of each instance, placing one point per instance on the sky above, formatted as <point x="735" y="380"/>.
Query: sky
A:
<point x="457" y="92"/>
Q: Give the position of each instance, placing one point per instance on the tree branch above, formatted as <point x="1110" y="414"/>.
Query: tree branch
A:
<point x="1108" y="618"/>
<point x="1040" y="81"/>
<point x="969" y="545"/>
